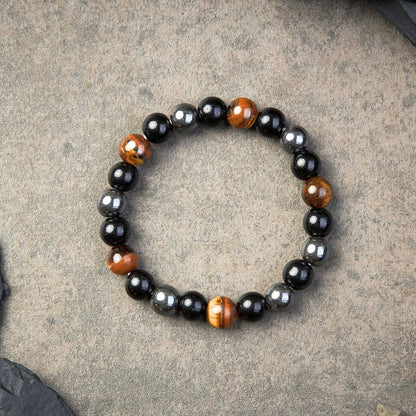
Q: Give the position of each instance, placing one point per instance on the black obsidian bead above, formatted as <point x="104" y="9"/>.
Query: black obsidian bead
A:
<point x="317" y="222"/>
<point x="114" y="231"/>
<point x="111" y="203"/>
<point x="139" y="284"/>
<point x="123" y="176"/>
<point x="156" y="127"/>
<point x="211" y="111"/>
<point x="271" y="122"/>
<point x="305" y="165"/>
<point x="193" y="305"/>
<point x="184" y="116"/>
<point x="298" y="274"/>
<point x="251" y="306"/>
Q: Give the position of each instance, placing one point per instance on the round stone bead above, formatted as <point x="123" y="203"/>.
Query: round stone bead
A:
<point x="211" y="111"/>
<point x="135" y="149"/>
<point x="271" y="122"/>
<point x="184" y="116"/>
<point x="221" y="312"/>
<point x="122" y="259"/>
<point x="295" y="139"/>
<point x="139" y="284"/>
<point x="317" y="222"/>
<point x="251" y="306"/>
<point x="165" y="300"/>
<point x="279" y="297"/>
<point x="156" y="127"/>
<point x="298" y="274"/>
<point x="114" y="231"/>
<point x="123" y="176"/>
<point x="317" y="192"/>
<point x="111" y="203"/>
<point x="193" y="305"/>
<point x="242" y="113"/>
<point x="315" y="251"/>
<point x="305" y="165"/>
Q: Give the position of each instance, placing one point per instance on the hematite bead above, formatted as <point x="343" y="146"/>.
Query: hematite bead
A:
<point x="139" y="284"/>
<point x="251" y="306"/>
<point x="294" y="139"/>
<point x="305" y="165"/>
<point x="317" y="222"/>
<point x="279" y="297"/>
<point x="317" y="192"/>
<point x="123" y="176"/>
<point x="165" y="300"/>
<point x="298" y="274"/>
<point x="271" y="122"/>
<point x="242" y="113"/>
<point x="111" y="203"/>
<point x="114" y="231"/>
<point x="221" y="312"/>
<point x="212" y="111"/>
<point x="135" y="149"/>
<point x="315" y="251"/>
<point x="184" y="116"/>
<point x="122" y="259"/>
<point x="156" y="127"/>
<point x="193" y="305"/>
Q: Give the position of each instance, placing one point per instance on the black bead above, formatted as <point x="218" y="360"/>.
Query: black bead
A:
<point x="317" y="222"/>
<point x="156" y="127"/>
<point x="139" y="284"/>
<point x="251" y="306"/>
<point x="298" y="274"/>
<point x="271" y="122"/>
<point x="212" y="111"/>
<point x="193" y="305"/>
<point x="123" y="176"/>
<point x="184" y="116"/>
<point x="305" y="165"/>
<point x="114" y="231"/>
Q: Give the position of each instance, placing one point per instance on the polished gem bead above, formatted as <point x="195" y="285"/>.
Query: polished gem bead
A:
<point x="221" y="312"/>
<point x="122" y="259"/>
<point x="135" y="149"/>
<point x="111" y="203"/>
<point x="114" y="231"/>
<point x="123" y="176"/>
<point x="211" y="111"/>
<point x="295" y="139"/>
<point x="165" y="300"/>
<point x="156" y="127"/>
<point x="317" y="222"/>
<point x="139" y="284"/>
<point x="242" y="113"/>
<point x="298" y="274"/>
<point x="251" y="306"/>
<point x="193" y="305"/>
<point x="305" y="165"/>
<point x="315" y="251"/>
<point x="279" y="297"/>
<point x="184" y="116"/>
<point x="316" y="192"/>
<point x="271" y="122"/>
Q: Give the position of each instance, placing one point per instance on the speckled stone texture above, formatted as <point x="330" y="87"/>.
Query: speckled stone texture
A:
<point x="216" y="211"/>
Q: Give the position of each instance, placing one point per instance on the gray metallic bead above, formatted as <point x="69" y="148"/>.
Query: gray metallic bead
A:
<point x="165" y="300"/>
<point x="184" y="116"/>
<point x="279" y="297"/>
<point x="294" y="139"/>
<point x="111" y="203"/>
<point x="315" y="251"/>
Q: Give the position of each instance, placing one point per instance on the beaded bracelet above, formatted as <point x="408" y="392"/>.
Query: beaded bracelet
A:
<point x="220" y="312"/>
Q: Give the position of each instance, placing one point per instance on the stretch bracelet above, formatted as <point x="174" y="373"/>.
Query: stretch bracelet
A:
<point x="220" y="312"/>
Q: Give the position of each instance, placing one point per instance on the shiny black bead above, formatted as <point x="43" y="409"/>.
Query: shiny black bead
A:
<point x="305" y="165"/>
<point x="156" y="127"/>
<point x="271" y="122"/>
<point x="212" y="111"/>
<point x="317" y="222"/>
<point x="184" y="116"/>
<point x="139" y="284"/>
<point x="123" y="176"/>
<point x="114" y="231"/>
<point x="251" y="306"/>
<point x="192" y="305"/>
<point x="298" y="274"/>
<point x="111" y="203"/>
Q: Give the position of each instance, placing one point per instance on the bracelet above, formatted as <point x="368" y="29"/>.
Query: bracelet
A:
<point x="220" y="312"/>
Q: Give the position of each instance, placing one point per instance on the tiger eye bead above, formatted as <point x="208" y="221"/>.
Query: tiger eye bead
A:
<point x="122" y="259"/>
<point x="221" y="312"/>
<point x="135" y="149"/>
<point x="242" y="113"/>
<point x="316" y="192"/>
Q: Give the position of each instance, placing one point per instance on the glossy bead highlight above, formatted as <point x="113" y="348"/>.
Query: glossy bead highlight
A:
<point x="271" y="122"/>
<point x="122" y="259"/>
<point x="211" y="111"/>
<point x="114" y="231"/>
<point x="242" y="113"/>
<point x="317" y="222"/>
<point x="295" y="139"/>
<point x="193" y="305"/>
<point x="123" y="176"/>
<point x="305" y="165"/>
<point x="315" y="251"/>
<point x="156" y="127"/>
<point x="221" y="312"/>
<point x="251" y="306"/>
<point x="111" y="203"/>
<point x="165" y="300"/>
<point x="139" y="284"/>
<point x="184" y="116"/>
<point x="317" y="192"/>
<point x="279" y="297"/>
<point x="298" y="274"/>
<point x="135" y="149"/>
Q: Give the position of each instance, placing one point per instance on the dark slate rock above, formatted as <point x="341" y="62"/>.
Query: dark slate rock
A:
<point x="23" y="394"/>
